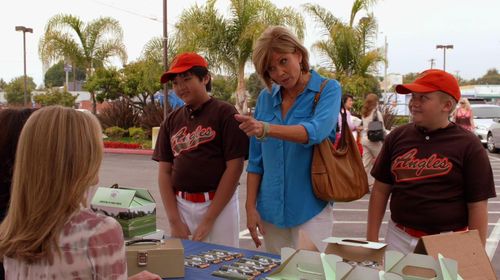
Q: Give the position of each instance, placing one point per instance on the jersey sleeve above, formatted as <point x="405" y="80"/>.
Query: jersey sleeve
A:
<point x="234" y="140"/>
<point x="163" y="150"/>
<point x="478" y="175"/>
<point x="382" y="168"/>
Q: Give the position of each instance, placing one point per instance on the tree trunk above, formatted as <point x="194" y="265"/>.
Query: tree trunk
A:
<point x="94" y="102"/>
<point x="74" y="76"/>
<point x="241" y="96"/>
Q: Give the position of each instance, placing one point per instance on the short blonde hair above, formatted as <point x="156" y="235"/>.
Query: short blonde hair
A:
<point x="58" y="158"/>
<point x="466" y="103"/>
<point x="276" y="39"/>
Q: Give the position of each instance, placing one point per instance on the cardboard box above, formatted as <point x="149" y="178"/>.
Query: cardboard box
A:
<point x="464" y="247"/>
<point x="303" y="264"/>
<point x="134" y="209"/>
<point x="356" y="250"/>
<point x="165" y="259"/>
<point x="417" y="266"/>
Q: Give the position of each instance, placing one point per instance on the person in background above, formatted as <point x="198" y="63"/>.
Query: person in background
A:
<point x="49" y="232"/>
<point x="370" y="149"/>
<point x="201" y="153"/>
<point x="463" y="115"/>
<point x="347" y="101"/>
<point x="437" y="175"/>
<point x="280" y="200"/>
<point x="12" y="121"/>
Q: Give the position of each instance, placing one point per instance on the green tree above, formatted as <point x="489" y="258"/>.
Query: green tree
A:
<point x="141" y="80"/>
<point x="153" y="52"/>
<point x="106" y="83"/>
<point x="227" y="41"/>
<point x="223" y="87"/>
<point x="490" y="78"/>
<point x="3" y="84"/>
<point x="348" y="47"/>
<point x="56" y="77"/>
<point x="410" y="77"/>
<point x="14" y="90"/>
<point x="55" y="96"/>
<point x="89" y="45"/>
<point x="254" y="87"/>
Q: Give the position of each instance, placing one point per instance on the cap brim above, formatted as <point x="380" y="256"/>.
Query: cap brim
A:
<point x="169" y="75"/>
<point x="418" y="88"/>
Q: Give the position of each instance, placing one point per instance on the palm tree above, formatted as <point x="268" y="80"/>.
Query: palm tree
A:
<point x="88" y="45"/>
<point x="227" y="42"/>
<point x="348" y="47"/>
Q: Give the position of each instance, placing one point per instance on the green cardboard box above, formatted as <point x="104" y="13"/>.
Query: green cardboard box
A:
<point x="134" y="209"/>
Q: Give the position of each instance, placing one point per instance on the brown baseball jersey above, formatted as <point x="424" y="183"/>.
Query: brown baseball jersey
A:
<point x="433" y="175"/>
<point x="198" y="143"/>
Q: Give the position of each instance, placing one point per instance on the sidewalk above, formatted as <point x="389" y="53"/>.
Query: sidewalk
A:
<point x="128" y="151"/>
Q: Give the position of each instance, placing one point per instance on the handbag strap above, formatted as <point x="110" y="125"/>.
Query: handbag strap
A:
<point x="316" y="97"/>
<point x="375" y="114"/>
<point x="343" y="112"/>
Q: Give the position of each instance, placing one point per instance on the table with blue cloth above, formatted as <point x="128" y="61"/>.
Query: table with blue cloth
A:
<point x="194" y="247"/>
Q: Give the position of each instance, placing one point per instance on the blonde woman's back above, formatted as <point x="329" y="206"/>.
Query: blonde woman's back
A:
<point x="91" y="247"/>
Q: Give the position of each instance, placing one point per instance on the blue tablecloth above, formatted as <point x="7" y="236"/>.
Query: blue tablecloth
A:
<point x="193" y="247"/>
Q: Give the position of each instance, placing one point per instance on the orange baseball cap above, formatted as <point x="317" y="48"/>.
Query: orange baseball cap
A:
<point x="182" y="63"/>
<point x="430" y="81"/>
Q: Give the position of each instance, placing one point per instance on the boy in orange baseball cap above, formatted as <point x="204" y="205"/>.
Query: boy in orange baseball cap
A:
<point x="200" y="151"/>
<point x="437" y="174"/>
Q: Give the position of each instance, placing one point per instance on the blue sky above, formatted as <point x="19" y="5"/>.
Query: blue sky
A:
<point x="413" y="28"/>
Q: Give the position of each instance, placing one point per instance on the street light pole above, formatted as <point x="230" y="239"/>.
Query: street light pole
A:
<point x="24" y="30"/>
<point x="165" y="58"/>
<point x="444" y="47"/>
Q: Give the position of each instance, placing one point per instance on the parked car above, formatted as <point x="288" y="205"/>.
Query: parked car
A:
<point x="493" y="144"/>
<point x="486" y="117"/>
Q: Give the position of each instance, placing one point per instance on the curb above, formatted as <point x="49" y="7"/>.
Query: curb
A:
<point x="128" y="151"/>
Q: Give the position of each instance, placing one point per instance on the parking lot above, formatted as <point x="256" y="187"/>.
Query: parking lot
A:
<point x="350" y="218"/>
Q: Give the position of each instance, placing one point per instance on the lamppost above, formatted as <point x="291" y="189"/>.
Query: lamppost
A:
<point x="165" y="57"/>
<point x="24" y="30"/>
<point x="444" y="47"/>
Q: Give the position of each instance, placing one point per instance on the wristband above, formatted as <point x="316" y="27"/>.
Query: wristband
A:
<point x="264" y="132"/>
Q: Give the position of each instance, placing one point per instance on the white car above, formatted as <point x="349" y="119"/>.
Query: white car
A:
<point x="484" y="119"/>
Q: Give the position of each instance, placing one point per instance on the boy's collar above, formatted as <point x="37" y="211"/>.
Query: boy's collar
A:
<point x="199" y="108"/>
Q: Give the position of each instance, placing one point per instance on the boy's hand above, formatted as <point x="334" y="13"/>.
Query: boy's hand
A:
<point x="179" y="230"/>
<point x="203" y="229"/>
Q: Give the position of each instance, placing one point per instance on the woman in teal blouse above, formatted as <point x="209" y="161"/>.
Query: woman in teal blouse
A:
<point x="280" y="201"/>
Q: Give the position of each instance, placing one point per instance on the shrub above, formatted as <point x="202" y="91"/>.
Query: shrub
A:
<point x="401" y="120"/>
<point x="151" y="116"/>
<point x="120" y="113"/>
<point x="136" y="133"/>
<point x="115" y="132"/>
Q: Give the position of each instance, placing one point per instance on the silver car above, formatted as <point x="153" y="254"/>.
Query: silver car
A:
<point x="486" y="119"/>
<point x="493" y="144"/>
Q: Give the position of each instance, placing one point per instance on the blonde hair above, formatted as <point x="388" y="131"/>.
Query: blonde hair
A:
<point x="371" y="101"/>
<point x="466" y="103"/>
<point x="276" y="39"/>
<point x="58" y="158"/>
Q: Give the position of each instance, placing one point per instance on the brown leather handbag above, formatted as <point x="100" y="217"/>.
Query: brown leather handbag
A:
<point x="338" y="174"/>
